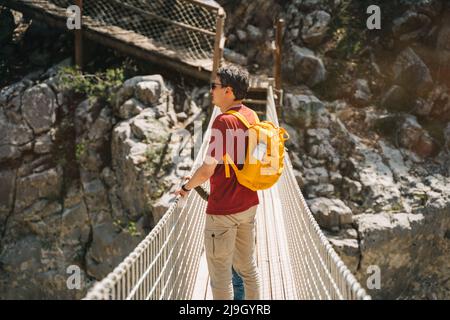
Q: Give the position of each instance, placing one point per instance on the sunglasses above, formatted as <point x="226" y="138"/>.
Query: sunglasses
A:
<point x="214" y="85"/>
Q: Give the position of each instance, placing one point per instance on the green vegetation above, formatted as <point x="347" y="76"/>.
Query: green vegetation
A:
<point x="348" y="29"/>
<point x="156" y="149"/>
<point x="397" y="207"/>
<point x="154" y="165"/>
<point x="101" y="85"/>
<point x="157" y="164"/>
<point x="129" y="227"/>
<point x="422" y="198"/>
<point x="153" y="155"/>
<point x="346" y="53"/>
<point x="132" y="230"/>
<point x="80" y="149"/>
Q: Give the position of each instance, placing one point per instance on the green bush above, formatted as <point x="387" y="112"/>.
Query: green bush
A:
<point x="101" y="85"/>
<point x="129" y="227"/>
<point x="80" y="149"/>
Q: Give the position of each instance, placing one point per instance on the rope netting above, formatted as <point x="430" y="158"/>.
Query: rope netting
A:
<point x="318" y="271"/>
<point x="165" y="264"/>
<point x="187" y="27"/>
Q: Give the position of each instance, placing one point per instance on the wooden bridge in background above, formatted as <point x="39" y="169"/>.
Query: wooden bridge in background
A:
<point x="184" y="35"/>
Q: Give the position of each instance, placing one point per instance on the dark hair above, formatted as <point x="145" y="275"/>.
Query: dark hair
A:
<point x="235" y="77"/>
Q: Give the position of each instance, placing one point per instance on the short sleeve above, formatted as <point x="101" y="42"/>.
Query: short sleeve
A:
<point x="217" y="147"/>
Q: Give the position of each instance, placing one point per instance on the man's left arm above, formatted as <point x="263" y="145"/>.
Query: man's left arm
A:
<point x="201" y="175"/>
<point x="214" y="154"/>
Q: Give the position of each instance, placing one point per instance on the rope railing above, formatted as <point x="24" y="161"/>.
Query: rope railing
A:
<point x="165" y="264"/>
<point x="319" y="272"/>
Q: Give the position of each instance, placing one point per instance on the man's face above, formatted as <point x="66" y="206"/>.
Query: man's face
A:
<point x="220" y="94"/>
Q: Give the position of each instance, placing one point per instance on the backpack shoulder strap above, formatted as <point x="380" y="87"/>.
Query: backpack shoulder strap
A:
<point x="242" y="118"/>
<point x="256" y="117"/>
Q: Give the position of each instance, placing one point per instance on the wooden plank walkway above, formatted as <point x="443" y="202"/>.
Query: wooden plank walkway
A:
<point x="277" y="281"/>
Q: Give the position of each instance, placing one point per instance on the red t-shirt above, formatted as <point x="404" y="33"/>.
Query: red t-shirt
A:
<point x="229" y="135"/>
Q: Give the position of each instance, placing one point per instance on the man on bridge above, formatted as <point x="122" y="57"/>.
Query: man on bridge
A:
<point x="230" y="221"/>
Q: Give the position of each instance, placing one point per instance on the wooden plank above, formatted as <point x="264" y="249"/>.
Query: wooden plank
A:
<point x="209" y="295"/>
<point x="280" y="230"/>
<point x="264" y="267"/>
<point x="202" y="281"/>
<point x="219" y="43"/>
<point x="144" y="52"/>
<point x="274" y="260"/>
<point x="279" y="233"/>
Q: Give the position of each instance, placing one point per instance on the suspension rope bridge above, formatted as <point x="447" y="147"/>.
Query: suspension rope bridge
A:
<point x="295" y="259"/>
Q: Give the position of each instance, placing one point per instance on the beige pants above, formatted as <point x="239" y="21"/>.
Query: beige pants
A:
<point x="230" y="241"/>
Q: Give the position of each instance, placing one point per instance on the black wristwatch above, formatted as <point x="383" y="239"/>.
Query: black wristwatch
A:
<point x="184" y="188"/>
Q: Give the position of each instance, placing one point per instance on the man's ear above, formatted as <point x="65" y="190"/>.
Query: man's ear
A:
<point x="229" y="90"/>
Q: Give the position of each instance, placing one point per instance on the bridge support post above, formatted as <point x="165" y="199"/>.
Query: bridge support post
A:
<point x="219" y="43"/>
<point x="79" y="38"/>
<point x="277" y="66"/>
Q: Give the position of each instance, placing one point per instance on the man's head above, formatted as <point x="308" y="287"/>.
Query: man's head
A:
<point x="229" y="86"/>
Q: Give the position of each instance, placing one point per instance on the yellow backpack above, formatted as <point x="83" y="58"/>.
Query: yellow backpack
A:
<point x="264" y="160"/>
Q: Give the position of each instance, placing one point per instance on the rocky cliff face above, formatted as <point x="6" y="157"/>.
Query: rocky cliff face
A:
<point x="81" y="181"/>
<point x="368" y="114"/>
<point x="379" y="205"/>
